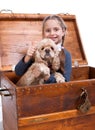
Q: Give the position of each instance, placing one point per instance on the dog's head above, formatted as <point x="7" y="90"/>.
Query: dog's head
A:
<point x="48" y="53"/>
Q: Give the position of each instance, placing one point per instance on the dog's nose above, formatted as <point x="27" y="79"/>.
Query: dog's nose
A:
<point x="47" y="50"/>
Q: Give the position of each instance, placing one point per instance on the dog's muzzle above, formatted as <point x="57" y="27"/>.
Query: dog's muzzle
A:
<point x="47" y="51"/>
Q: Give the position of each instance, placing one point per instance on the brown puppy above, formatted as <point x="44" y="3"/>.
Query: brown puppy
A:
<point x="46" y="61"/>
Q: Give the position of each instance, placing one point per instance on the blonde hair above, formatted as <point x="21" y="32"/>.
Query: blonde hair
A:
<point x="60" y="21"/>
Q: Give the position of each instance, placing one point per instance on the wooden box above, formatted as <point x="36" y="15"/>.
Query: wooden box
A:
<point x="43" y="107"/>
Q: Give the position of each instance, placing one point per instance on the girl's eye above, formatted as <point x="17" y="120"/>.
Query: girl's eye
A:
<point x="48" y="30"/>
<point x="56" y="29"/>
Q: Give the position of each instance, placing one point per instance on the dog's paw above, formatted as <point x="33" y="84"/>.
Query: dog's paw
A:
<point x="36" y="71"/>
<point x="39" y="69"/>
<point x="59" y="77"/>
<point x="44" y="69"/>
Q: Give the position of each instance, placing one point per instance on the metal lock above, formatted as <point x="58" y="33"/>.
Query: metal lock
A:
<point x="84" y="103"/>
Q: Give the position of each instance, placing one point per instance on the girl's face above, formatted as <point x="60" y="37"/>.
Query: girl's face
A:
<point x="53" y="30"/>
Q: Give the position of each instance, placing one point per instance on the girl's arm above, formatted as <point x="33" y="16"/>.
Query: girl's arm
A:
<point x="22" y="66"/>
<point x="67" y="66"/>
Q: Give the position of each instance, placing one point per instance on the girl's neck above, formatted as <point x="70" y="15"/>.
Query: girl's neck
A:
<point x="59" y="46"/>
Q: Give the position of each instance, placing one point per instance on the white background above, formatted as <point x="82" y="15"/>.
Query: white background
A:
<point x="83" y="9"/>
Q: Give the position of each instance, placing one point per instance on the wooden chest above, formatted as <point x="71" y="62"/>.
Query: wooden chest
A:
<point x="44" y="107"/>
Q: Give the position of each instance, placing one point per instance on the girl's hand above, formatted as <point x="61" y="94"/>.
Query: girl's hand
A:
<point x="31" y="49"/>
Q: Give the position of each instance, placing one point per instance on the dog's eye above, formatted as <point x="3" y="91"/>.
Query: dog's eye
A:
<point x="42" y="48"/>
<point x="52" y="48"/>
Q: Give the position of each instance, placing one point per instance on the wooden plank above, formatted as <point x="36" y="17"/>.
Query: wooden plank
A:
<point x="52" y="98"/>
<point x="9" y="105"/>
<point x="53" y="117"/>
<point x="79" y="123"/>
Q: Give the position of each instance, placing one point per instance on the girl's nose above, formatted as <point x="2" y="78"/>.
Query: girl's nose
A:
<point x="52" y="32"/>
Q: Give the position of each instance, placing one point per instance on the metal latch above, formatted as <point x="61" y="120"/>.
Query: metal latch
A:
<point x="4" y="92"/>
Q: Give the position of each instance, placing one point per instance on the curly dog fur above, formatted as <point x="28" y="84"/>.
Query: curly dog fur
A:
<point x="46" y="61"/>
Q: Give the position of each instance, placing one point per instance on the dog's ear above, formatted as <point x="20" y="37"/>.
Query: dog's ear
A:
<point x="62" y="60"/>
<point x="56" y="62"/>
<point x="59" y="60"/>
<point x="37" y="56"/>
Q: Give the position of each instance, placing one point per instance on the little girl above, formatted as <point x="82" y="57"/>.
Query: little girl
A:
<point x="54" y="28"/>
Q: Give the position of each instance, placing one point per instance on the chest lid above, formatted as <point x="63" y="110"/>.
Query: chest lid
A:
<point x="18" y="30"/>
